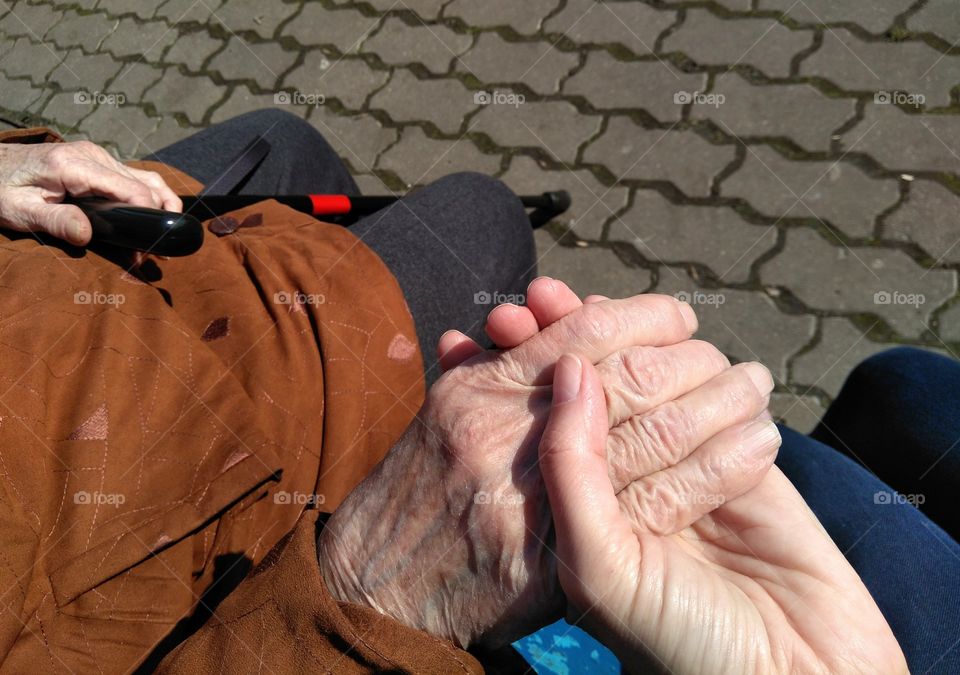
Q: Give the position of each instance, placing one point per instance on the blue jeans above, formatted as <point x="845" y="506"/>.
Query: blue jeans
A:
<point x="891" y="440"/>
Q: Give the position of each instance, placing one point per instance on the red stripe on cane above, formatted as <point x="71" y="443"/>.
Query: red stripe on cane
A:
<point x="326" y="205"/>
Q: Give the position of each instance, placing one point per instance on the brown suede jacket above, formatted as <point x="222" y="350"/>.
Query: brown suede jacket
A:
<point x="164" y="436"/>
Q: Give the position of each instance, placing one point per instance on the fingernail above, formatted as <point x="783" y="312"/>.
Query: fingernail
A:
<point x="538" y="279"/>
<point x="761" y="378"/>
<point x="760" y="437"/>
<point x="566" y="379"/>
<point x="689" y="317"/>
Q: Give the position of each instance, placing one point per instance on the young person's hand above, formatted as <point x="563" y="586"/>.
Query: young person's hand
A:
<point x="36" y="178"/>
<point x="754" y="586"/>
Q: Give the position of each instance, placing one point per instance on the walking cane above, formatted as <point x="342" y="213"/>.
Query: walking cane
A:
<point x="179" y="234"/>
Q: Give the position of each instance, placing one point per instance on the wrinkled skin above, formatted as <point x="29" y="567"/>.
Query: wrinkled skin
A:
<point x="450" y="533"/>
<point x="35" y="178"/>
<point x="755" y="586"/>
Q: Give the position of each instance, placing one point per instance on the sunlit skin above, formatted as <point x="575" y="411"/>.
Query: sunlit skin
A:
<point x="415" y="542"/>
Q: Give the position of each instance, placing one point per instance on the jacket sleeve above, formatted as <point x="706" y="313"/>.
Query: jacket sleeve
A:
<point x="282" y="619"/>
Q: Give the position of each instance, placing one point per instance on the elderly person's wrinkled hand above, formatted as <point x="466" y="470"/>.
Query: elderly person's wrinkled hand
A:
<point x="36" y="178"/>
<point x="451" y="532"/>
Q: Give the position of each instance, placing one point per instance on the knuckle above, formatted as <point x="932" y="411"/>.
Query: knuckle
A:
<point x="655" y="504"/>
<point x="663" y="432"/>
<point x="598" y="325"/>
<point x="646" y="371"/>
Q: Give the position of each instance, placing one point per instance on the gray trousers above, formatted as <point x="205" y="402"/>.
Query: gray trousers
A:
<point x="453" y="246"/>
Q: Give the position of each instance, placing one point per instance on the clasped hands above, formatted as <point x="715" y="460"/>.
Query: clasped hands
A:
<point x="603" y="466"/>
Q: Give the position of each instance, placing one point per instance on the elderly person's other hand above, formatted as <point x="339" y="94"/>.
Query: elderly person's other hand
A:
<point x="755" y="586"/>
<point x="450" y="533"/>
<point x="35" y="179"/>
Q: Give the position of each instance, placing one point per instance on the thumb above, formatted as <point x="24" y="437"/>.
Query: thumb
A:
<point x="573" y="464"/>
<point x="63" y="221"/>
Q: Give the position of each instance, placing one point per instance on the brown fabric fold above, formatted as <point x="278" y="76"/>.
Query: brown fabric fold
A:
<point x="163" y="430"/>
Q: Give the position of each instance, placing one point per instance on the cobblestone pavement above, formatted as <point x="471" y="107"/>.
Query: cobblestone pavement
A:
<point x="792" y="167"/>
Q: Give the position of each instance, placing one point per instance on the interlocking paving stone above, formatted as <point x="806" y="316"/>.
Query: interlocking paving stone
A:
<point x="144" y="9"/>
<point x="795" y="111"/>
<point x="122" y="126"/>
<point x="168" y="132"/>
<point x="369" y="184"/>
<point x="345" y="29"/>
<point x="634" y="25"/>
<point x="349" y="81"/>
<point x="192" y="49"/>
<point x="610" y="84"/>
<point x="907" y="142"/>
<point x="861" y="279"/>
<point x="82" y="30"/>
<point x="63" y="110"/>
<point x="682" y="157"/>
<point x="425" y="9"/>
<point x="85" y="73"/>
<point x="418" y="160"/>
<point x="260" y="17"/>
<point x="134" y="79"/>
<point x="146" y="39"/>
<point x="909" y="67"/>
<point x="242" y="100"/>
<point x="928" y="218"/>
<point x="435" y="47"/>
<point x="358" y="139"/>
<point x="35" y="61"/>
<point x="535" y="64"/>
<point x="842" y="346"/>
<point x="939" y="17"/>
<point x="21" y="95"/>
<point x="593" y="203"/>
<point x="950" y="324"/>
<point x="729" y="319"/>
<point x="29" y="21"/>
<point x="577" y="268"/>
<point x="554" y="126"/>
<point x="524" y="17"/>
<point x="191" y="96"/>
<point x="762" y="43"/>
<point x="405" y="96"/>
<point x="666" y="232"/>
<point x="261" y="62"/>
<point x="736" y="5"/>
<point x="837" y="192"/>
<point x="186" y="11"/>
<point x="801" y="413"/>
<point x="873" y="15"/>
